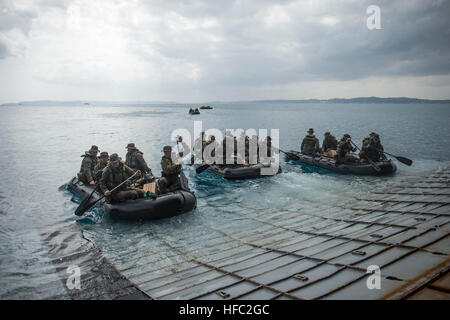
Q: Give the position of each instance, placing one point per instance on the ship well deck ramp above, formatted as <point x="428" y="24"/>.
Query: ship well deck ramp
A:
<point x="309" y="253"/>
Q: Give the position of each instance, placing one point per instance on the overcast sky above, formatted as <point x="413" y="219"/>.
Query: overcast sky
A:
<point x="190" y="51"/>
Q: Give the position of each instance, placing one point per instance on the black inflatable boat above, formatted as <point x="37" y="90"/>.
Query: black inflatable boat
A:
<point x="318" y="163"/>
<point x="194" y="112"/>
<point x="163" y="206"/>
<point x="241" y="172"/>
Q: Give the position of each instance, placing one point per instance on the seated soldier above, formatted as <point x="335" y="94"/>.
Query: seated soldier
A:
<point x="371" y="149"/>
<point x="135" y="160"/>
<point x="99" y="168"/>
<point x="114" y="174"/>
<point x="199" y="147"/>
<point x="228" y="147"/>
<point x="343" y="148"/>
<point x="267" y="149"/>
<point x="169" y="181"/>
<point x="376" y="142"/>
<point x="88" y="164"/>
<point x="213" y="144"/>
<point x="310" y="144"/>
<point x="329" y="143"/>
<point x="183" y="148"/>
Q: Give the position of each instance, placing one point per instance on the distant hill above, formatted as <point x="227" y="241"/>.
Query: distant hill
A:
<point x="399" y="100"/>
<point x="84" y="103"/>
<point x="403" y="100"/>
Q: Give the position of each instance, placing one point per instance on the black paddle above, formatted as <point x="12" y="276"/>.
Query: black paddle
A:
<point x="291" y="155"/>
<point x="84" y="206"/>
<point x="184" y="182"/>
<point x="202" y="168"/>
<point x="403" y="160"/>
<point x="84" y="203"/>
<point x="377" y="168"/>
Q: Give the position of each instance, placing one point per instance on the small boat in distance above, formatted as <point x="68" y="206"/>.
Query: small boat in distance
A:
<point x="206" y="107"/>
<point x="192" y="111"/>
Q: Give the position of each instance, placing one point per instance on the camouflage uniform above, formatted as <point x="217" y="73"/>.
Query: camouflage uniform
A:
<point x="267" y="149"/>
<point x="375" y="147"/>
<point x="310" y="144"/>
<point x="199" y="146"/>
<point x="372" y="148"/>
<point x="98" y="169"/>
<point x="135" y="160"/>
<point x="212" y="141"/>
<point x="88" y="164"/>
<point x="112" y="177"/>
<point x="343" y="148"/>
<point x="329" y="143"/>
<point x="369" y="151"/>
<point x="229" y="140"/>
<point x="170" y="180"/>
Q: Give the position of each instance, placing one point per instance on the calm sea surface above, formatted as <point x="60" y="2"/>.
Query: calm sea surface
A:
<point x="41" y="146"/>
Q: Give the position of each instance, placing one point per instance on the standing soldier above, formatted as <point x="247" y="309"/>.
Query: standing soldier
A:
<point x="310" y="144"/>
<point x="329" y="142"/>
<point x="170" y="180"/>
<point x="344" y="147"/>
<point x="135" y="160"/>
<point x="114" y="174"/>
<point x="88" y="164"/>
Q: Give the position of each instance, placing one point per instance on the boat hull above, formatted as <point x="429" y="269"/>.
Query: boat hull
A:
<point x="324" y="164"/>
<point x="162" y="206"/>
<point x="242" y="173"/>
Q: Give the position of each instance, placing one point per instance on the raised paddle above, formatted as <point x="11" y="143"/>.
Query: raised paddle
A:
<point x="403" y="160"/>
<point x="84" y="206"/>
<point x="377" y="168"/>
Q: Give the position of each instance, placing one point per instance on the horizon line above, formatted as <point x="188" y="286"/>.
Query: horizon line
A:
<point x="221" y="101"/>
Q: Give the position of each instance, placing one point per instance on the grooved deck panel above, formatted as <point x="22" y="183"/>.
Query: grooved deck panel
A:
<point x="317" y="253"/>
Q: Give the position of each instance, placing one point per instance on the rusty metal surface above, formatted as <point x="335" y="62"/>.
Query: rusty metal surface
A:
<point x="313" y="253"/>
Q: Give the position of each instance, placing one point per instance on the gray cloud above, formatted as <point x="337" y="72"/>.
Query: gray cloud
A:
<point x="211" y="46"/>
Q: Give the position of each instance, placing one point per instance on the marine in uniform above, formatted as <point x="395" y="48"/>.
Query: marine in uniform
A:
<point x="99" y="168"/>
<point x="343" y="148"/>
<point x="170" y="180"/>
<point x="310" y="144"/>
<point x="88" y="164"/>
<point x="114" y="174"/>
<point x="135" y="160"/>
<point x="329" y="142"/>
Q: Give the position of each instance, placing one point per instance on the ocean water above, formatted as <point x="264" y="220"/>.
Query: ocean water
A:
<point x="41" y="146"/>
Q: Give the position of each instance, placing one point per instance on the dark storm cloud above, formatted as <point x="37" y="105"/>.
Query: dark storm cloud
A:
<point x="414" y="40"/>
<point x="210" y="45"/>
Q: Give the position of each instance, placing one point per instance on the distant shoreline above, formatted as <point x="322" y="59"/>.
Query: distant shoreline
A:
<point x="366" y="100"/>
